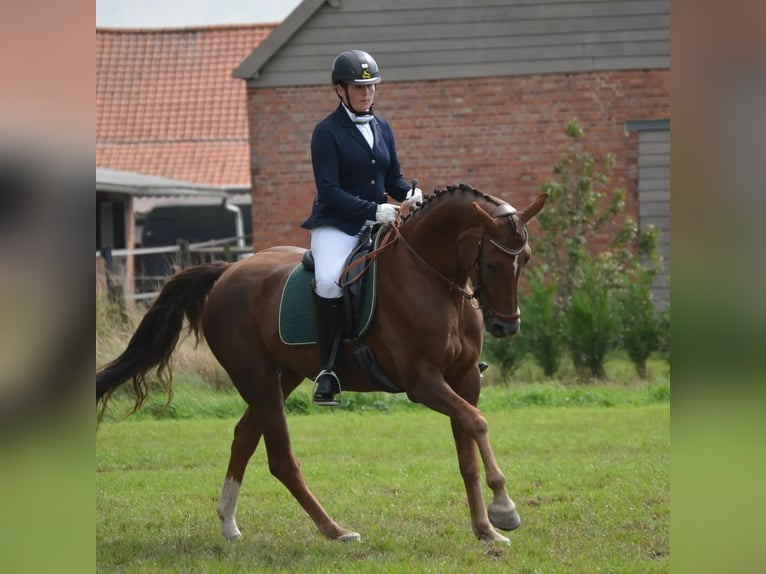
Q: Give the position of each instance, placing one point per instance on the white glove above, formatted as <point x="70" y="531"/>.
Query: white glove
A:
<point x="414" y="197"/>
<point x="386" y="213"/>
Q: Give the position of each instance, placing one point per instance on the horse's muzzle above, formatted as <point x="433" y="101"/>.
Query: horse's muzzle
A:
<point x="498" y="328"/>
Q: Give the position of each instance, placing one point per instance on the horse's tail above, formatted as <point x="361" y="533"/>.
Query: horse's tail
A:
<point x="157" y="335"/>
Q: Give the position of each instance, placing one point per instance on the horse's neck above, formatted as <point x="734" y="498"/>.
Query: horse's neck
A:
<point x="435" y="233"/>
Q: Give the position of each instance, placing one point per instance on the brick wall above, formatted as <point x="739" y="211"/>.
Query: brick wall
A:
<point x="501" y="135"/>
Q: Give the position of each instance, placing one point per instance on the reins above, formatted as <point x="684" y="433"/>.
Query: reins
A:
<point x="453" y="286"/>
<point x="387" y="240"/>
<point x="393" y="234"/>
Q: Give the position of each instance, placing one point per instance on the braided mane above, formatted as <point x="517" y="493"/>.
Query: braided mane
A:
<point x="450" y="190"/>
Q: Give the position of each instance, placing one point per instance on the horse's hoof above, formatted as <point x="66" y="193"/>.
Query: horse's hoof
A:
<point x="350" y="537"/>
<point x="233" y="537"/>
<point x="503" y="518"/>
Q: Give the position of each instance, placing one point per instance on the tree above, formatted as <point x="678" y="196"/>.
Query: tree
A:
<point x="590" y="283"/>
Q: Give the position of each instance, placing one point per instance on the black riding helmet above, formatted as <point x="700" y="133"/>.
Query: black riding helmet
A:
<point x="355" y="67"/>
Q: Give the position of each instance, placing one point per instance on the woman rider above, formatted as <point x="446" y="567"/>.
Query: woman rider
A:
<point x="356" y="169"/>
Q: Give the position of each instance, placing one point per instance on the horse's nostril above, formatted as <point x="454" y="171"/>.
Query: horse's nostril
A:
<point x="500" y="329"/>
<point x="496" y="330"/>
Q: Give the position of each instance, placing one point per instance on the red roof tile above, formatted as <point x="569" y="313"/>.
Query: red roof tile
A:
<point x="166" y="103"/>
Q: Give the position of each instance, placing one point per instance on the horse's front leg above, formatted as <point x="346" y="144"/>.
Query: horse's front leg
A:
<point x="470" y="428"/>
<point x="469" y="469"/>
<point x="502" y="510"/>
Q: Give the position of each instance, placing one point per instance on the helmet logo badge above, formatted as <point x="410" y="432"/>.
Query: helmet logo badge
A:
<point x="366" y="74"/>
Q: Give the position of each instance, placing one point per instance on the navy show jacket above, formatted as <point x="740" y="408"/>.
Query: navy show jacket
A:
<point x="352" y="178"/>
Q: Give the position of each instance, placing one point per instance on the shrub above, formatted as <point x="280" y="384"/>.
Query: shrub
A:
<point x="640" y="324"/>
<point x="582" y="207"/>
<point x="542" y="327"/>
<point x="592" y="322"/>
<point x="663" y="333"/>
<point x="503" y="354"/>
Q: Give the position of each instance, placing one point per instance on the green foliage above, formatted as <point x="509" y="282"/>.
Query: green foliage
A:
<point x="504" y="354"/>
<point x="587" y="273"/>
<point x="663" y="333"/>
<point x="592" y="321"/>
<point x="194" y="399"/>
<point x="640" y="324"/>
<point x="542" y="328"/>
<point x="298" y="404"/>
<point x="579" y="207"/>
<point x="557" y="395"/>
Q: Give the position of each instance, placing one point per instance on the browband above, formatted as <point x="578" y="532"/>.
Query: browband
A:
<point x="503" y="210"/>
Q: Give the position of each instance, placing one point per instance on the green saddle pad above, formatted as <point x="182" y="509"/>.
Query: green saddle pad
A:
<point x="296" y="308"/>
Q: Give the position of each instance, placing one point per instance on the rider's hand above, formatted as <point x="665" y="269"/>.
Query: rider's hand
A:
<point x="414" y="197"/>
<point x="386" y="213"/>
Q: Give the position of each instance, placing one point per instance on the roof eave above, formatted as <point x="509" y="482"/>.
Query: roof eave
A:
<point x="132" y="183"/>
<point x="250" y="67"/>
<point x="161" y="191"/>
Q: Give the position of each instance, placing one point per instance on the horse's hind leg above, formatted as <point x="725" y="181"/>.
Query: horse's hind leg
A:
<point x="284" y="466"/>
<point x="247" y="433"/>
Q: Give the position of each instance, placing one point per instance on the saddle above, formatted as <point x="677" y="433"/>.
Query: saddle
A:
<point x="296" y="321"/>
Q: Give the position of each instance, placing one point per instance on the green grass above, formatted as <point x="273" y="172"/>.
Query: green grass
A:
<point x="589" y="471"/>
<point x="194" y="398"/>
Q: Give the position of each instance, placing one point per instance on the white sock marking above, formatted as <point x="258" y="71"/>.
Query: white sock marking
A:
<point x="227" y="507"/>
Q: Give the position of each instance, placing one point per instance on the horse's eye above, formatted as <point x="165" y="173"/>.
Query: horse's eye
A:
<point x="493" y="267"/>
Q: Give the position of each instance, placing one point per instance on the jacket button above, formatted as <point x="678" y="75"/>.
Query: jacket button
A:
<point x="372" y="182"/>
<point x="373" y="161"/>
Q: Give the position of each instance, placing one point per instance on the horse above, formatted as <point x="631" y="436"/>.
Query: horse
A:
<point x="450" y="270"/>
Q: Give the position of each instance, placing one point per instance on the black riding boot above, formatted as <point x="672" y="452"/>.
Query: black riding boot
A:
<point x="328" y="314"/>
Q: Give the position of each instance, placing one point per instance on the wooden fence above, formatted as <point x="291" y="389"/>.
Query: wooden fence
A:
<point x="128" y="275"/>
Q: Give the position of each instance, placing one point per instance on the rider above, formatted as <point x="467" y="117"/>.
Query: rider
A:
<point x="355" y="168"/>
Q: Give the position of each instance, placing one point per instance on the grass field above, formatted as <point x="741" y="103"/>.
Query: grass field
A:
<point x="591" y="482"/>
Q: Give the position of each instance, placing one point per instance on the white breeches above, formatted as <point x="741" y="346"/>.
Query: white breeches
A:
<point x="330" y="247"/>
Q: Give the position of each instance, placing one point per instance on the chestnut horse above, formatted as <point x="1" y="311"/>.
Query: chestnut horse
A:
<point x="426" y="336"/>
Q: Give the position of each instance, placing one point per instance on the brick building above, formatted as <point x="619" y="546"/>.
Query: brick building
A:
<point x="476" y="93"/>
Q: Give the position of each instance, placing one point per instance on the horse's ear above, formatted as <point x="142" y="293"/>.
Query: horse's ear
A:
<point x="533" y="209"/>
<point x="485" y="218"/>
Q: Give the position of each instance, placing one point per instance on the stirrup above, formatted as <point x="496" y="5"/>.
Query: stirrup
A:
<point x="330" y="402"/>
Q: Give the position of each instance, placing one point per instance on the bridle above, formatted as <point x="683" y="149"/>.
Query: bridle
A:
<point x="503" y="210"/>
<point x="487" y="308"/>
